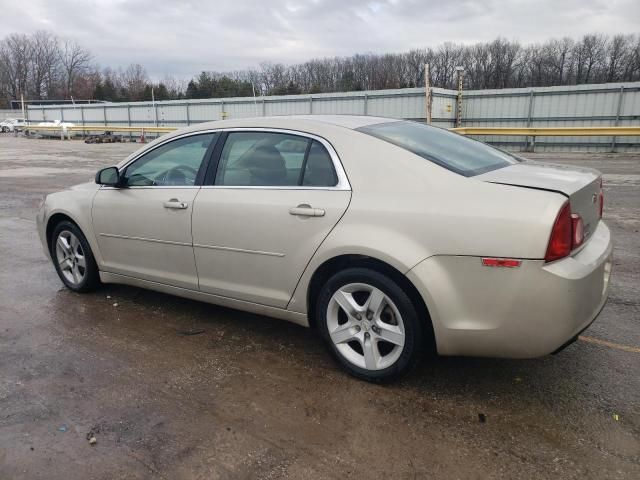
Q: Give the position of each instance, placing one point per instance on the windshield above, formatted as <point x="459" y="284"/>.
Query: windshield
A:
<point x="452" y="151"/>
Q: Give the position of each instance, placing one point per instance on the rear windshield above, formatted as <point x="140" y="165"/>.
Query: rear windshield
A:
<point x="452" y="151"/>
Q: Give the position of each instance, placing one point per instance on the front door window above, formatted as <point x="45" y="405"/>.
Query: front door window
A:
<point x="176" y="163"/>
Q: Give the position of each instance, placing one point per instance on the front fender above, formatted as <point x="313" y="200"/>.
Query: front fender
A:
<point x="76" y="204"/>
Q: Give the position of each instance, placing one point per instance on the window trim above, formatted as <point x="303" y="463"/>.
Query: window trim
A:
<point x="206" y="160"/>
<point x="209" y="182"/>
<point x="212" y="159"/>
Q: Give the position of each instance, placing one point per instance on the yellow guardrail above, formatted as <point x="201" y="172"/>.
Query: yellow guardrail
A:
<point x="98" y="128"/>
<point x="507" y="131"/>
<point x="550" y="131"/>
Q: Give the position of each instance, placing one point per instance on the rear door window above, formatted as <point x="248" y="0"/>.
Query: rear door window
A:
<point x="269" y="159"/>
<point x="319" y="171"/>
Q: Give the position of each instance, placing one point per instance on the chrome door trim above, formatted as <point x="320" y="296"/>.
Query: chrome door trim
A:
<point x="239" y="250"/>
<point x="343" y="180"/>
<point x="170" y="139"/>
<point x="144" y="239"/>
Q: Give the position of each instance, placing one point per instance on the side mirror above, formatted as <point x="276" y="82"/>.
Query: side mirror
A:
<point x="109" y="176"/>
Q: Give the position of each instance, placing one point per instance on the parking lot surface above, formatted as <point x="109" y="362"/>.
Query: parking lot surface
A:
<point x="172" y="388"/>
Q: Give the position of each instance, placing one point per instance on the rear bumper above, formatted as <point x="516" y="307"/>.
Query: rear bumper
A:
<point x="523" y="312"/>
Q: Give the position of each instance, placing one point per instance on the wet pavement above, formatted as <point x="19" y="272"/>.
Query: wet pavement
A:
<point x="172" y="388"/>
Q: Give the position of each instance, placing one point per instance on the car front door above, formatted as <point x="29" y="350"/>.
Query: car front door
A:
<point x="144" y="227"/>
<point x="275" y="197"/>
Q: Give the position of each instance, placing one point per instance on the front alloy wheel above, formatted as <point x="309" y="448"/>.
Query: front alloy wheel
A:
<point x="73" y="258"/>
<point x="70" y="257"/>
<point x="370" y="324"/>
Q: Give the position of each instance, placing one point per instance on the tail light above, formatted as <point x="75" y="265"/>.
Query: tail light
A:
<point x="567" y="234"/>
<point x="561" y="235"/>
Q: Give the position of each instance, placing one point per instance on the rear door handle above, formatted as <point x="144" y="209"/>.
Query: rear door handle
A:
<point x="176" y="204"/>
<point x="305" y="210"/>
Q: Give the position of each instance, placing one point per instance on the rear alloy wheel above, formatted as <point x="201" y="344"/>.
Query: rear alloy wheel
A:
<point x="369" y="324"/>
<point x="73" y="258"/>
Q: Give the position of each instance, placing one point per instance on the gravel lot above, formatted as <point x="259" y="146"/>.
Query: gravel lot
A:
<point x="252" y="397"/>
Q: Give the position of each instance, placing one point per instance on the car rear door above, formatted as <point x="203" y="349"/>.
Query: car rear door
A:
<point x="271" y="198"/>
<point x="144" y="228"/>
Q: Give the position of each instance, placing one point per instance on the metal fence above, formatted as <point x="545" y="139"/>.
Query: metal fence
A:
<point x="4" y="114"/>
<point x="568" y="106"/>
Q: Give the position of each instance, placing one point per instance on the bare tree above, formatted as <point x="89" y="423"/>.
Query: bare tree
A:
<point x="44" y="63"/>
<point x="175" y="87"/>
<point x="134" y="80"/>
<point x="75" y="60"/>
<point x="617" y="53"/>
<point x="15" y="51"/>
<point x="590" y="54"/>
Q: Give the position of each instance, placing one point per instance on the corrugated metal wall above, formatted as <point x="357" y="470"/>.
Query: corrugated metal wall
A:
<point x="582" y="105"/>
<point x="575" y="106"/>
<point x="4" y="114"/>
<point x="404" y="103"/>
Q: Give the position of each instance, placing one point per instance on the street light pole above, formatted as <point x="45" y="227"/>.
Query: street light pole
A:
<point x="427" y="94"/>
<point x="460" y="71"/>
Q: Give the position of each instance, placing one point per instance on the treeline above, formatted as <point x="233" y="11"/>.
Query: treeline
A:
<point x="498" y="64"/>
<point x="42" y="66"/>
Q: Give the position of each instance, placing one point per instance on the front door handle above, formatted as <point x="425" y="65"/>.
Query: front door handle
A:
<point x="305" y="210"/>
<point x="175" y="203"/>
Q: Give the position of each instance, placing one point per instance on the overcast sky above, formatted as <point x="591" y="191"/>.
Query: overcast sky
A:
<point x="185" y="37"/>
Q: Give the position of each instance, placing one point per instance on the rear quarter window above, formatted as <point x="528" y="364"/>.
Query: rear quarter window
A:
<point x="454" y="152"/>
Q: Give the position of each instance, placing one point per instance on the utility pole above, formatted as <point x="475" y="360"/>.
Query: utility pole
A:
<point x="255" y="101"/>
<point x="155" y="109"/>
<point x="460" y="71"/>
<point x="427" y="94"/>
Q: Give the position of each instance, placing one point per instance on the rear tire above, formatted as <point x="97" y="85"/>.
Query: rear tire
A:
<point x="370" y="325"/>
<point x="73" y="258"/>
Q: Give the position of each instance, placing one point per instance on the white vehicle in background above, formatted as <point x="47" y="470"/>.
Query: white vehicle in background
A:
<point x="61" y="127"/>
<point x="12" y="125"/>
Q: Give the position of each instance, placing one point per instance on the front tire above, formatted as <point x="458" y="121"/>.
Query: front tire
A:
<point x="370" y="325"/>
<point x="73" y="258"/>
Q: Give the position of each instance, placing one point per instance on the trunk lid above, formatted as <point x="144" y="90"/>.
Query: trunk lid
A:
<point x="580" y="185"/>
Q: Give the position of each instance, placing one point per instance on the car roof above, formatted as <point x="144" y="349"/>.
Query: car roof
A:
<point x="347" y="121"/>
<point x="315" y="124"/>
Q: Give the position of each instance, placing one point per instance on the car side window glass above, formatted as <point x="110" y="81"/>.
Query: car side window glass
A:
<point x="173" y="164"/>
<point x="261" y="159"/>
<point x="319" y="171"/>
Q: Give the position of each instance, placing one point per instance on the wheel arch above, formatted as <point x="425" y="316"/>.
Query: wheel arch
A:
<point x="54" y="220"/>
<point x="335" y="264"/>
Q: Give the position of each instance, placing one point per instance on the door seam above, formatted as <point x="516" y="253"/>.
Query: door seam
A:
<point x="193" y="250"/>
<point x="316" y="251"/>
